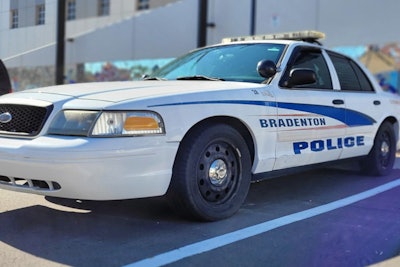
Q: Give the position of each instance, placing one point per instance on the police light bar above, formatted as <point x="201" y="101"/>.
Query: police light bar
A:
<point x="299" y="35"/>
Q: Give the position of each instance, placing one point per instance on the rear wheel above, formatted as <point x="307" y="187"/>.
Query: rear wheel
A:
<point x="211" y="174"/>
<point x="380" y="159"/>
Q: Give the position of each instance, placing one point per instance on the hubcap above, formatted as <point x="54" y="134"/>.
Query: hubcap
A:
<point x="384" y="149"/>
<point x="217" y="172"/>
<point x="385" y="153"/>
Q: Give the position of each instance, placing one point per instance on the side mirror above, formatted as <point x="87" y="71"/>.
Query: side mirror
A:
<point x="301" y="77"/>
<point x="266" y="68"/>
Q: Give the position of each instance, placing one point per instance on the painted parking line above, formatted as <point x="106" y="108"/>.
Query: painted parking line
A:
<point x="229" y="238"/>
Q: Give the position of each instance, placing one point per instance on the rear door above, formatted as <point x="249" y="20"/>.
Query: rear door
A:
<point x="363" y="107"/>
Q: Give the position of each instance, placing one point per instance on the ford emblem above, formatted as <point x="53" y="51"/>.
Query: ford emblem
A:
<point x="5" y="117"/>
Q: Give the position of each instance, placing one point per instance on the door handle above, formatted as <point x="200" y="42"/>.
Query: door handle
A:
<point x="338" y="102"/>
<point x="377" y="102"/>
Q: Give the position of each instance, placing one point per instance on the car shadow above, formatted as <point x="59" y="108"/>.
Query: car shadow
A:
<point x="147" y="208"/>
<point x="92" y="233"/>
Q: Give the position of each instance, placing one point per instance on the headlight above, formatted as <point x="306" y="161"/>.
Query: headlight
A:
<point x="73" y="122"/>
<point x="128" y="123"/>
<point x="106" y="124"/>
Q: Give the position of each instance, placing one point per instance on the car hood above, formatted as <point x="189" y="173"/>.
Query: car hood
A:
<point x="114" y="92"/>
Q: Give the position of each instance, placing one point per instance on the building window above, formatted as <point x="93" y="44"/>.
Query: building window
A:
<point x="14" y="18"/>
<point x="104" y="7"/>
<point x="143" y="4"/>
<point x="71" y="9"/>
<point x="40" y="14"/>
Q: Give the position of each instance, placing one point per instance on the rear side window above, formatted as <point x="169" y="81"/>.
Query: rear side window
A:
<point x="351" y="76"/>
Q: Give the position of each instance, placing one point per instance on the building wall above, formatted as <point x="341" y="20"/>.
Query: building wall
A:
<point x="26" y="8"/>
<point x="159" y="3"/>
<point x="34" y="45"/>
<point x="345" y="22"/>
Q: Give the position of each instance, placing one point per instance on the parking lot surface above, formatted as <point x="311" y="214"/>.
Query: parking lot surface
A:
<point x="325" y="217"/>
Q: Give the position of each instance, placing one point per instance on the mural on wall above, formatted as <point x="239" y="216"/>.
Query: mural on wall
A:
<point x="33" y="77"/>
<point x="28" y="78"/>
<point x="383" y="62"/>
<point x="121" y="70"/>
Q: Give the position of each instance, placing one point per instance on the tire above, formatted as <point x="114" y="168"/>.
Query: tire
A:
<point x="211" y="174"/>
<point x="380" y="159"/>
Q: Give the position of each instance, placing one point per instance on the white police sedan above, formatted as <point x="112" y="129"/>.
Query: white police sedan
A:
<point x="202" y="128"/>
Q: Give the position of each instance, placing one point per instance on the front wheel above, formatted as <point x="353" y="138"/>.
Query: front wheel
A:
<point x="380" y="159"/>
<point x="211" y="174"/>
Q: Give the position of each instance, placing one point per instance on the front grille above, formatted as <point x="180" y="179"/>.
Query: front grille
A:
<point x="25" y="120"/>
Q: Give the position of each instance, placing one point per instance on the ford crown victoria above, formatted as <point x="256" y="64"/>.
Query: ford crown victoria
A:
<point x="202" y="128"/>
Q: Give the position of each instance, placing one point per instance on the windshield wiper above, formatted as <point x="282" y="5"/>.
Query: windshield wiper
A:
<point x="199" y="78"/>
<point x="149" y="78"/>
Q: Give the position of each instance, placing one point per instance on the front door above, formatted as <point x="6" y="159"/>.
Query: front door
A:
<point x="310" y="118"/>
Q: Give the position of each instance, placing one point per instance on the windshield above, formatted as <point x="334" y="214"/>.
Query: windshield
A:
<point x="229" y="63"/>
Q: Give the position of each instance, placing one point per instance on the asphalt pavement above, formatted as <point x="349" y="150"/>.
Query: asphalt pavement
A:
<point x="325" y="217"/>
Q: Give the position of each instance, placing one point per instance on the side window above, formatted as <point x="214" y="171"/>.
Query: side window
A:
<point x="314" y="60"/>
<point x="351" y="76"/>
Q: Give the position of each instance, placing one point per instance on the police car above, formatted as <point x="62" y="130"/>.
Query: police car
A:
<point x="200" y="129"/>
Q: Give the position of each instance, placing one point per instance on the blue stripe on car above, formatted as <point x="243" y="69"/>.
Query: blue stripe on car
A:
<point x="346" y="116"/>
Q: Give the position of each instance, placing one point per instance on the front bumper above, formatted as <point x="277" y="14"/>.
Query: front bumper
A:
<point x="87" y="168"/>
